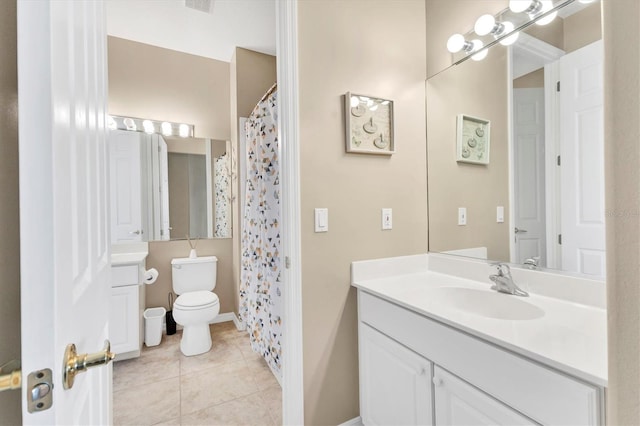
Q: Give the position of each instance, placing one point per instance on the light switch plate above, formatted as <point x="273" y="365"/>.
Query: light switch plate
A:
<point x="322" y="220"/>
<point x="500" y="214"/>
<point x="387" y="219"/>
<point x="462" y="215"/>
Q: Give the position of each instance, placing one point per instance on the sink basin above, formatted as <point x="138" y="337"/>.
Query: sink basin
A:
<point x="488" y="304"/>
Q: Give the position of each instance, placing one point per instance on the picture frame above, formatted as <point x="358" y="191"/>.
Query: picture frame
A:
<point x="368" y="125"/>
<point x="473" y="140"/>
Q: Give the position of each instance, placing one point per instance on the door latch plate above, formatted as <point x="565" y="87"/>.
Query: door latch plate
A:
<point x="39" y="390"/>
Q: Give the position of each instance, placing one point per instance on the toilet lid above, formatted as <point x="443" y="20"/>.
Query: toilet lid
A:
<point x="196" y="299"/>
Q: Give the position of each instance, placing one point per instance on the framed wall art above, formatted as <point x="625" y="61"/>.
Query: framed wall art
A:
<point x="368" y="124"/>
<point x="473" y="139"/>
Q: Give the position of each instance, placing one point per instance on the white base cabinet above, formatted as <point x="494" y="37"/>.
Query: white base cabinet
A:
<point x="418" y="371"/>
<point x="457" y="403"/>
<point x="391" y="372"/>
<point x="126" y="310"/>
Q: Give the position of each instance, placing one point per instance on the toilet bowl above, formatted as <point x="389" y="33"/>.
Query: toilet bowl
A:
<point x="193" y="279"/>
<point x="195" y="311"/>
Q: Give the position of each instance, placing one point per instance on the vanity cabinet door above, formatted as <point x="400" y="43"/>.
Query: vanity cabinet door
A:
<point x="124" y="324"/>
<point x="395" y="382"/>
<point x="457" y="403"/>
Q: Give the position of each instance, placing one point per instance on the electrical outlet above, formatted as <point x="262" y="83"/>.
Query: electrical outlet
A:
<point x="387" y="219"/>
<point x="462" y="215"/>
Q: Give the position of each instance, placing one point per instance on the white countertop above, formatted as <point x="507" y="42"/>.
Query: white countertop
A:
<point x="119" y="259"/>
<point x="567" y="336"/>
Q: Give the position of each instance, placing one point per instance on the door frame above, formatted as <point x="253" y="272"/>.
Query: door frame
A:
<point x="289" y="136"/>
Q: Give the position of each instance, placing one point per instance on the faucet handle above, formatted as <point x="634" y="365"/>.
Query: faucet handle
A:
<point x="503" y="269"/>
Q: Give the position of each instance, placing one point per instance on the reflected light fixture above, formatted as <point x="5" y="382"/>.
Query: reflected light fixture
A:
<point x="531" y="7"/>
<point x="486" y="24"/>
<point x="457" y="43"/>
<point x="148" y="127"/>
<point x="354" y="101"/>
<point x="130" y="124"/>
<point x="183" y="130"/>
<point x="547" y="5"/>
<point x="111" y="123"/>
<point x="166" y="128"/>
<point x="480" y="55"/>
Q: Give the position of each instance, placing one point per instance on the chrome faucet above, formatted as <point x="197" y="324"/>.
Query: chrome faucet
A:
<point x="503" y="281"/>
<point x="532" y="262"/>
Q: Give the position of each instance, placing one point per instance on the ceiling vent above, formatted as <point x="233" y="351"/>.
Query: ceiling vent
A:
<point x="201" y="5"/>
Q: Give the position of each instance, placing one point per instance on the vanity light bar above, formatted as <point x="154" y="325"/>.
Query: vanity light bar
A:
<point x="115" y="122"/>
<point x="502" y="28"/>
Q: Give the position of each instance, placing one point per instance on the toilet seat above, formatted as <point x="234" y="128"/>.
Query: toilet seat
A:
<point x="196" y="300"/>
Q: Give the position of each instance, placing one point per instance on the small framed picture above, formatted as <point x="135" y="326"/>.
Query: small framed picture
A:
<point x="368" y="124"/>
<point x="473" y="139"/>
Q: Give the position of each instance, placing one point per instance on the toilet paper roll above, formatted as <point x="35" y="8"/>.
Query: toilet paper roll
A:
<point x="150" y="276"/>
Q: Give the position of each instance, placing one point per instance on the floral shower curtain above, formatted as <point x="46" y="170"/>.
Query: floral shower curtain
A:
<point x="260" y="292"/>
<point x="221" y="186"/>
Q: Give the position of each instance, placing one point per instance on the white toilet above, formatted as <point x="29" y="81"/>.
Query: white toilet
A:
<point x="196" y="306"/>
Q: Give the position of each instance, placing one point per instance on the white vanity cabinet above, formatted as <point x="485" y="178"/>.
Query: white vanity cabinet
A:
<point x="391" y="372"/>
<point x="415" y="370"/>
<point x="126" y="310"/>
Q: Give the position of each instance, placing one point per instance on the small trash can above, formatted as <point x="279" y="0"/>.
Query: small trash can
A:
<point x="153" y="326"/>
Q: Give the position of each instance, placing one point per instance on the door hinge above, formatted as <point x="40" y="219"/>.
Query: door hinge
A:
<point x="560" y="239"/>
<point x="559" y="161"/>
<point x="557" y="86"/>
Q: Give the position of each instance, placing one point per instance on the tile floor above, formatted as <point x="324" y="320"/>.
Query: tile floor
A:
<point x="229" y="385"/>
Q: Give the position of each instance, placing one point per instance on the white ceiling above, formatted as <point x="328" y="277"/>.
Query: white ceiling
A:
<point x="168" y="23"/>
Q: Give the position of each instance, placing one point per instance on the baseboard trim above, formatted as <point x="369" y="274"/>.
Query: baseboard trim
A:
<point x="353" y="422"/>
<point x="225" y="317"/>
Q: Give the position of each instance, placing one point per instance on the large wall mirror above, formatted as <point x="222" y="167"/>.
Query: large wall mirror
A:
<point x="539" y="201"/>
<point x="167" y="187"/>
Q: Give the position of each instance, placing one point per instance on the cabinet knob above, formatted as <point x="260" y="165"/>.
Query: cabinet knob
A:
<point x="437" y="381"/>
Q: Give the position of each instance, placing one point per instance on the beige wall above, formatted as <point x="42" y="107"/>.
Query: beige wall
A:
<point x="10" y="407"/>
<point x="252" y="74"/>
<point x="622" y="177"/>
<point x="337" y="54"/>
<point x="583" y="28"/>
<point x="534" y="79"/>
<point x="478" y="89"/>
<point x="161" y="84"/>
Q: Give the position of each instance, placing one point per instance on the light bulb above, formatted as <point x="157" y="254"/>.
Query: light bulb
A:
<point x="385" y="102"/>
<point x="484" y="25"/>
<point x="509" y="40"/>
<point x="130" y="124"/>
<point x="166" y="128"/>
<point x="373" y="107"/>
<point x="455" y="43"/>
<point x="111" y="123"/>
<point x="518" y="6"/>
<point x="354" y="101"/>
<point x="148" y="126"/>
<point x="547" y="5"/>
<point x="184" y="130"/>
<point x="477" y="45"/>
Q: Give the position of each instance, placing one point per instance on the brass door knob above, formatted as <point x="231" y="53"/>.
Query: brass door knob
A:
<point x="74" y="363"/>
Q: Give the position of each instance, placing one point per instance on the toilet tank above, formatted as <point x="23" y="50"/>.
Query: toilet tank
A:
<point x="195" y="274"/>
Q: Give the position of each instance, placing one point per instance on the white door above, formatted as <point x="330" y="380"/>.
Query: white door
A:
<point x="460" y="404"/>
<point x="528" y="154"/>
<point x="64" y="226"/>
<point x="395" y="383"/>
<point x="125" y="150"/>
<point x="582" y="165"/>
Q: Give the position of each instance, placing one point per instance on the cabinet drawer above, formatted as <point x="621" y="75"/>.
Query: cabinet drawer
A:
<point x="125" y="275"/>
<point x="540" y="393"/>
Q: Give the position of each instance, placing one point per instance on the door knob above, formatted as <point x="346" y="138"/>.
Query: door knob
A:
<point x="520" y="231"/>
<point x="74" y="363"/>
<point x="136" y="232"/>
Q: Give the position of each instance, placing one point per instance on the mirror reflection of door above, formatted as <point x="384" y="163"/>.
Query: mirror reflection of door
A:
<point x="558" y="166"/>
